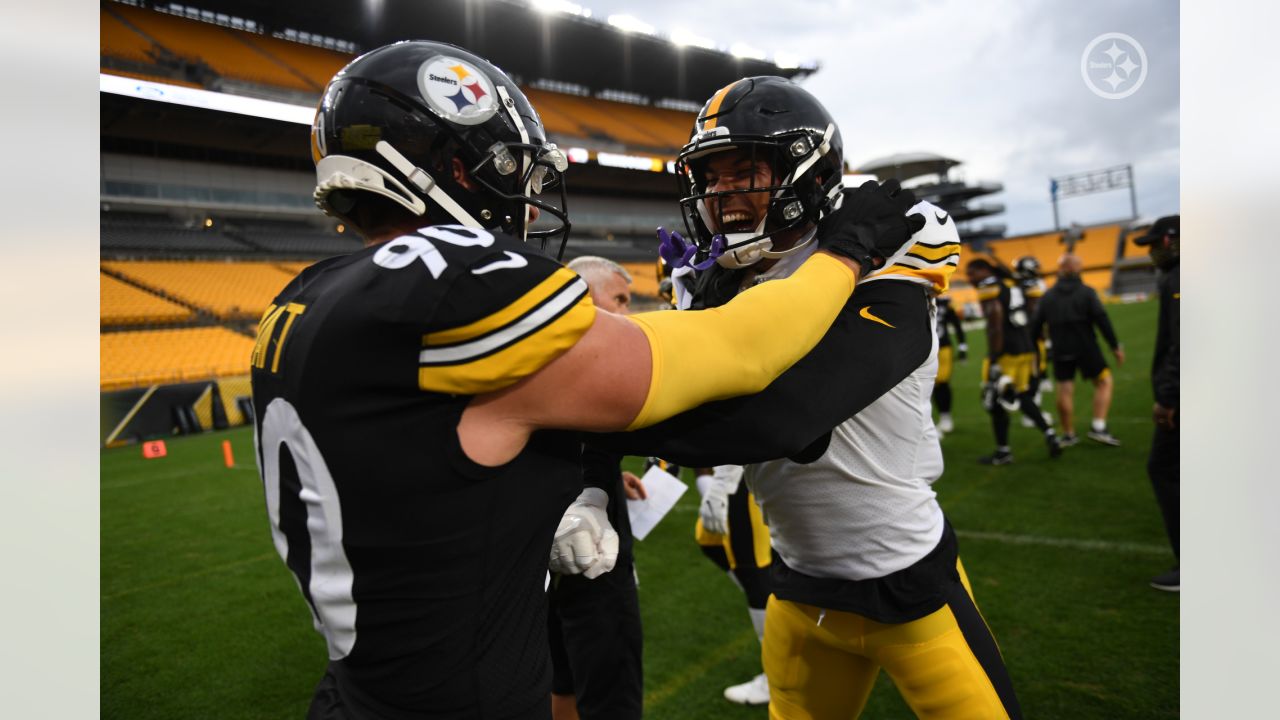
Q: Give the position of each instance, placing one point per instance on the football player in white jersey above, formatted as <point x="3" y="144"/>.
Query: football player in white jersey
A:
<point x="865" y="572"/>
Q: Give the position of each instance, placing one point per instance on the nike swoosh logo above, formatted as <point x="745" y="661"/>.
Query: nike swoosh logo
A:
<point x="942" y="218"/>
<point x="866" y="313"/>
<point x="512" y="261"/>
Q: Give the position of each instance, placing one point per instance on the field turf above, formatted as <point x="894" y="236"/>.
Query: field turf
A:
<point x="200" y="619"/>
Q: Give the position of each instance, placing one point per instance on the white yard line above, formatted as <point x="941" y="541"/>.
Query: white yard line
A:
<point x="1073" y="543"/>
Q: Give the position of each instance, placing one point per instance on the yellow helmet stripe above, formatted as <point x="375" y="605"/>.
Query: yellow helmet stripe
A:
<point x="714" y="106"/>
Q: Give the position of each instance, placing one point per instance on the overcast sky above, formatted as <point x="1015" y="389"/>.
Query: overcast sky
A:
<point x="994" y="83"/>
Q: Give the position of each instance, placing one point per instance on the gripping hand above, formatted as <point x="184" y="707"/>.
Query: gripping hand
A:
<point x="585" y="542"/>
<point x="871" y="224"/>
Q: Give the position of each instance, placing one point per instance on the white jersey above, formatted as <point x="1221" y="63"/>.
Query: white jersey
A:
<point x="865" y="509"/>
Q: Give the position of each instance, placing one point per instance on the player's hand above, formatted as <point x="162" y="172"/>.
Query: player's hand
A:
<point x="963" y="351"/>
<point x="585" y="542"/>
<point x="1119" y="353"/>
<point x="1166" y="418"/>
<point x="715" y="509"/>
<point x="633" y="487"/>
<point x="871" y="224"/>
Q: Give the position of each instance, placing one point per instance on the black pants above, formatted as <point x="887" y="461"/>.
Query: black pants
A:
<point x="1163" y="469"/>
<point x="596" y="643"/>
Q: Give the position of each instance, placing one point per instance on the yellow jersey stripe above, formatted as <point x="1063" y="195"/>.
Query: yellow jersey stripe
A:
<point x="515" y="360"/>
<point x="939" y="278"/>
<point x="539" y="294"/>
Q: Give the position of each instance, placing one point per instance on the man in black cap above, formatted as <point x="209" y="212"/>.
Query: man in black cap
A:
<point x="1162" y="465"/>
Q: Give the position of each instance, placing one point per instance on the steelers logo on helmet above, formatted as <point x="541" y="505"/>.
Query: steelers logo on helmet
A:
<point x="457" y="91"/>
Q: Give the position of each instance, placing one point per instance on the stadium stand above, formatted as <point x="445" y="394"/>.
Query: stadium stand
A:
<point x="1099" y="246"/>
<point x="644" y="280"/>
<point x="228" y="52"/>
<point x="136" y="358"/>
<point x="605" y="120"/>
<point x="293" y="238"/>
<point x="124" y="304"/>
<point x="1131" y="250"/>
<point x="1045" y="247"/>
<point x="316" y="65"/>
<point x="123" y="232"/>
<point x="121" y="41"/>
<point x="227" y="290"/>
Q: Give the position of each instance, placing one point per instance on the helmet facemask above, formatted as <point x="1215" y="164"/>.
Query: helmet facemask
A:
<point x="804" y="182"/>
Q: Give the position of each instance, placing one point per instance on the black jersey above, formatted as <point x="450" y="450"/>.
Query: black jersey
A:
<point x="424" y="571"/>
<point x="1017" y="336"/>
<point x="947" y="319"/>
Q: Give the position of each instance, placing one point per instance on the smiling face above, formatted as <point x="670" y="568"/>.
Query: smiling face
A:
<point x="739" y="212"/>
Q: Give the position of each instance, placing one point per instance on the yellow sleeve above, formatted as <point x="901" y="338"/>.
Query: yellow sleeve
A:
<point x="988" y="292"/>
<point x="741" y="346"/>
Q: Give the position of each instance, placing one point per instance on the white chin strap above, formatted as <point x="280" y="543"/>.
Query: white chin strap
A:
<point x="342" y="172"/>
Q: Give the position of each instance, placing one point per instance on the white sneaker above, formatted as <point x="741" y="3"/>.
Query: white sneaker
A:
<point x="753" y="692"/>
<point x="945" y="425"/>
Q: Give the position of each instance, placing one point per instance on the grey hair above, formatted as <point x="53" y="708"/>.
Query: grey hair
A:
<point x="594" y="263"/>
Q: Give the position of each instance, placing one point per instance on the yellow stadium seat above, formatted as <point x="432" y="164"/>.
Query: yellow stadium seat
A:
<point x="1097" y="248"/>
<point x="118" y="40"/>
<point x="147" y="357"/>
<point x="228" y="290"/>
<point x="231" y="53"/>
<point x="124" y="304"/>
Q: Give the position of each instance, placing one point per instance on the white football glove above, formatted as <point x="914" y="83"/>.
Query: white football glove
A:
<point x="715" y="497"/>
<point x="585" y="542"/>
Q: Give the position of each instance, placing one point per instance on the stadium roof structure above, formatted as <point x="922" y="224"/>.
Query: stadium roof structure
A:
<point x="936" y="185"/>
<point x="530" y="44"/>
<point x="905" y="166"/>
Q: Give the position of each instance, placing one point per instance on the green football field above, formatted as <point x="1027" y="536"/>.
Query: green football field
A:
<point x="200" y="618"/>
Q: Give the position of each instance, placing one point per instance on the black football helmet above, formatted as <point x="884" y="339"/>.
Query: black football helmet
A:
<point x="390" y="123"/>
<point x="1026" y="268"/>
<point x="773" y="119"/>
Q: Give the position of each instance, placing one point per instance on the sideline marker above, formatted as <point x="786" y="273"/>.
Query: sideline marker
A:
<point x="154" y="449"/>
<point x="227" y="457"/>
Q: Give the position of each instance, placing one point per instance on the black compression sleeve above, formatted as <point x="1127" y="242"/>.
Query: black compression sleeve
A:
<point x="858" y="360"/>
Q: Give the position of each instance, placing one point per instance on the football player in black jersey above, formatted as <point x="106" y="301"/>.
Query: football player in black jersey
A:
<point x="1007" y="369"/>
<point x="407" y="396"/>
<point x="1026" y="273"/>
<point x="947" y="318"/>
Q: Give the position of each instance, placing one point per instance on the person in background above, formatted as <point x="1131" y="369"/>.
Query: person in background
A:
<point x="594" y="623"/>
<point x="1162" y="464"/>
<point x="947" y="317"/>
<point x="1006" y="372"/>
<point x="1071" y="310"/>
<point x="1026" y="272"/>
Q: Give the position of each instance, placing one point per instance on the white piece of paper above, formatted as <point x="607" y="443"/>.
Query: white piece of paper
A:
<point x="664" y="490"/>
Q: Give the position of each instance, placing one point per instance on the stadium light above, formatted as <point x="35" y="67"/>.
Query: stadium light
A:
<point x="628" y="23"/>
<point x="785" y="61"/>
<point x="742" y="50"/>
<point x="577" y="154"/>
<point x="683" y="37"/>
<point x="551" y="6"/>
<point x="192" y="97"/>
